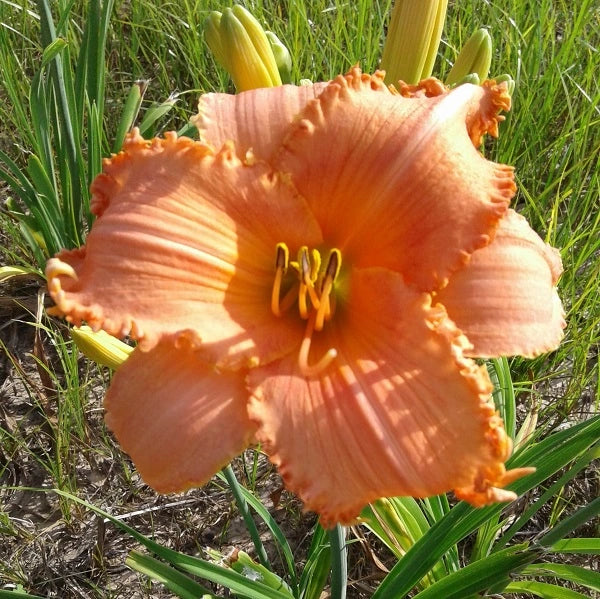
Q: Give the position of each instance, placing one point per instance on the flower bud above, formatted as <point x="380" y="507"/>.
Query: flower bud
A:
<point x="475" y="57"/>
<point x="413" y="39"/>
<point x="100" y="347"/>
<point x="506" y="78"/>
<point x="212" y="36"/>
<point x="241" y="46"/>
<point x="282" y="57"/>
<point x="472" y="78"/>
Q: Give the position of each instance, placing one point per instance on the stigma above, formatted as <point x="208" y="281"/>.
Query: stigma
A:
<point x="305" y="282"/>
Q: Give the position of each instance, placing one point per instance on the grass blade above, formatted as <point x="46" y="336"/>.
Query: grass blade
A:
<point x="576" y="574"/>
<point x="315" y="573"/>
<point x="280" y="539"/>
<point x="180" y="584"/>
<point x="242" y="506"/>
<point x="548" y="456"/>
<point x="199" y="567"/>
<point x="339" y="562"/>
<point x="481" y="575"/>
<point x="569" y="524"/>
<point x="543" y="589"/>
<point x="580" y="545"/>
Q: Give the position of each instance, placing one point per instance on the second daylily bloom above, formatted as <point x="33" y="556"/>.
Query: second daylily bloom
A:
<point x="314" y="275"/>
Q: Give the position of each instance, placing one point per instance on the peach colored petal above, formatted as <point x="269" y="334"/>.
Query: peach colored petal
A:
<point x="400" y="411"/>
<point x="185" y="238"/>
<point x="256" y="119"/>
<point x="394" y="181"/>
<point x="178" y="419"/>
<point x="505" y="300"/>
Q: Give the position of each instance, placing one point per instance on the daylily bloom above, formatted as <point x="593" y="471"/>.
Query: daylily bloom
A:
<point x="315" y="274"/>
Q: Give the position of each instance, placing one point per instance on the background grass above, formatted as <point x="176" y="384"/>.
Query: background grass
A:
<point x="551" y="48"/>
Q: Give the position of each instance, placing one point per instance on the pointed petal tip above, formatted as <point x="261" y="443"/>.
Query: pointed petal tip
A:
<point x="486" y="102"/>
<point x="485" y="492"/>
<point x="56" y="267"/>
<point x="495" y="99"/>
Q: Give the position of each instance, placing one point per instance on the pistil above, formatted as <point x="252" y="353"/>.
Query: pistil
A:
<point x="323" y="363"/>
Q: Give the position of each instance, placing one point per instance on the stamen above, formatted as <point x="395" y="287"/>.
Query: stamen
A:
<point x="334" y="263"/>
<point x="331" y="272"/>
<point x="323" y="363"/>
<point x="276" y="291"/>
<point x="321" y="312"/>
<point x="302" y="307"/>
<point x="312" y="292"/>
<point x="289" y="298"/>
<point x="281" y="264"/>
<point x="309" y="271"/>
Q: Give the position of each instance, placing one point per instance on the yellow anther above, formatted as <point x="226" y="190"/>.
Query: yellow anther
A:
<point x="281" y="264"/>
<point x="283" y="256"/>
<point x="323" y="363"/>
<point x="334" y="263"/>
<point x="315" y="264"/>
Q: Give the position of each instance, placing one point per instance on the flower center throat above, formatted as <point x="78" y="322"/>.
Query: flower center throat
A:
<point x="311" y="286"/>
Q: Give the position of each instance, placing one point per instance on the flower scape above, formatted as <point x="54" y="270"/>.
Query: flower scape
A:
<point x="317" y="274"/>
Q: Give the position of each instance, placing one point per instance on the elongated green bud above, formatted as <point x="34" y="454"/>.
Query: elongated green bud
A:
<point x="472" y="78"/>
<point x="130" y="112"/>
<point x="527" y="430"/>
<point x="100" y="347"/>
<point x="243" y="564"/>
<point x="212" y="36"/>
<point x="241" y="46"/>
<point x="394" y="525"/>
<point x="413" y="38"/>
<point x="475" y="57"/>
<point x="282" y="57"/>
<point x="506" y="78"/>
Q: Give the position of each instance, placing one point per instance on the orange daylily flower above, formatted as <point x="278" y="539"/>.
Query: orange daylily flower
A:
<point x="315" y="274"/>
